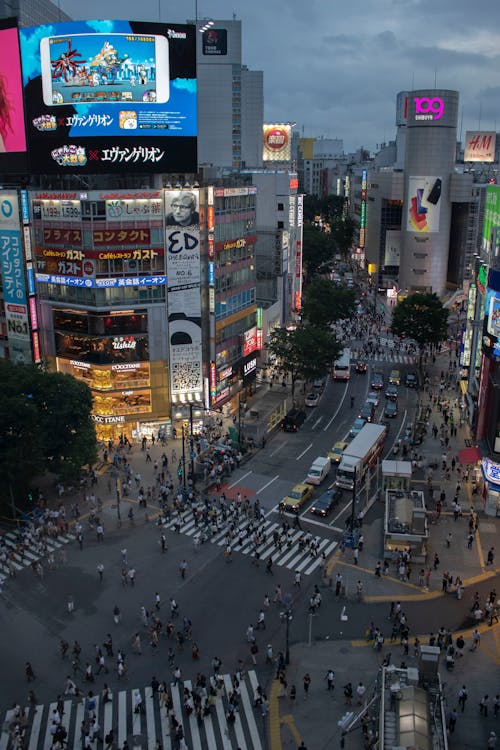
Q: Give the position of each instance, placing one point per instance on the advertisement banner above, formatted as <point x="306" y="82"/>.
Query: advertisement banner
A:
<point x="276" y="142"/>
<point x="110" y="96"/>
<point x="183" y="292"/>
<point x="249" y="341"/>
<point x="13" y="156"/>
<point x="424" y="205"/>
<point x="392" y="247"/>
<point x="491" y="215"/>
<point x="13" y="280"/>
<point x="480" y="146"/>
<point x="214" y="42"/>
<point x="134" y="210"/>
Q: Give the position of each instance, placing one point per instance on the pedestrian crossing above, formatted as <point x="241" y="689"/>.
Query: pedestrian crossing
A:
<point x="391" y="356"/>
<point x="15" y="556"/>
<point x="292" y="555"/>
<point x="154" y="725"/>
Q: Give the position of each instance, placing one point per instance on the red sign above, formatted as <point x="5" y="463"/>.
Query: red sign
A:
<point x="294" y="183"/>
<point x="259" y="339"/>
<point x="276" y="138"/>
<point x="104" y="237"/>
<point x="62" y="236"/>
<point x="250" y="341"/>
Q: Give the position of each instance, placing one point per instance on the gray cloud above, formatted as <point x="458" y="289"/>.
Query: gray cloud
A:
<point x="336" y="67"/>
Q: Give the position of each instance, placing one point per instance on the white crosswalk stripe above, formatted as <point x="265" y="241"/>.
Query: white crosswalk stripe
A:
<point x="144" y="729"/>
<point x="291" y="555"/>
<point x="21" y="556"/>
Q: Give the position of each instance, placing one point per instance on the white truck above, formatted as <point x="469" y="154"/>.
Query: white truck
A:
<point x="360" y="455"/>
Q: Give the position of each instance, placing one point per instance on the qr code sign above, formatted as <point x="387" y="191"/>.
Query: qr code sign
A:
<point x="186" y="376"/>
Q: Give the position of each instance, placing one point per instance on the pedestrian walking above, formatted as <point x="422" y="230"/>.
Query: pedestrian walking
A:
<point x="182" y="568"/>
<point x="463" y="694"/>
<point x="100" y="571"/>
<point x="297" y="579"/>
<point x="307" y="684"/>
<point x="330" y="680"/>
<point x="483" y="706"/>
<point x="491" y="556"/>
<point x="28" y="671"/>
<point x="452" y="720"/>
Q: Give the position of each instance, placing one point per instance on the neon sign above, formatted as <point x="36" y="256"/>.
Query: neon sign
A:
<point x="428" y="109"/>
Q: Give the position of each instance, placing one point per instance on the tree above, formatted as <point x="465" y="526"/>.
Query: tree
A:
<point x="323" y="302"/>
<point x="45" y="425"/>
<point x="318" y="249"/>
<point x="306" y="352"/>
<point x="422" y="317"/>
<point x="342" y="232"/>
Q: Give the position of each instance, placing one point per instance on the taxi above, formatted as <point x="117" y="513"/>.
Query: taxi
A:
<point x="296" y="498"/>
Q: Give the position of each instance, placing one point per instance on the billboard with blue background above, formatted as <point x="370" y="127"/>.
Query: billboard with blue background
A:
<point x="110" y="96"/>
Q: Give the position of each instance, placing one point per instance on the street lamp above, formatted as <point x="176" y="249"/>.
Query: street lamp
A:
<point x="183" y="459"/>
<point x="287" y="616"/>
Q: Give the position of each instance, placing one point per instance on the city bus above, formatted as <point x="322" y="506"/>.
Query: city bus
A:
<point x="342" y="367"/>
<point x="360" y="455"/>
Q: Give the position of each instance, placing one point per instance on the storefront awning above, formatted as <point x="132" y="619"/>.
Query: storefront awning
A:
<point x="469" y="455"/>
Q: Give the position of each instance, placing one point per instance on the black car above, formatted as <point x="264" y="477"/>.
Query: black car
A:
<point x="325" y="502"/>
<point x="391" y="409"/>
<point x="293" y="420"/>
<point x="411" y="380"/>
<point x="361" y="368"/>
<point x="377" y="381"/>
<point x="367" y="411"/>
<point x="391" y="392"/>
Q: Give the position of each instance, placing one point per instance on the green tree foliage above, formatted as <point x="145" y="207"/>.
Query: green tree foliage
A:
<point x="421" y="317"/>
<point x="324" y="303"/>
<point x="307" y="352"/>
<point x="342" y="233"/>
<point x="45" y="425"/>
<point x="319" y="250"/>
<point x="329" y="208"/>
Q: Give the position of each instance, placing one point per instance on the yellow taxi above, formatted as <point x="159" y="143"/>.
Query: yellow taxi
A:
<point x="335" y="454"/>
<point x="296" y="498"/>
<point x="395" y="378"/>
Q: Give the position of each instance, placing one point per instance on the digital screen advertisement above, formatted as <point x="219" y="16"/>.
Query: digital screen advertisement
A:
<point x="110" y="96"/>
<point x="12" y="132"/>
<point x="424" y="195"/>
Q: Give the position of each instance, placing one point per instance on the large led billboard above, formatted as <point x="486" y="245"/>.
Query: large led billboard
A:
<point x="424" y="205"/>
<point x="110" y="96"/>
<point x="491" y="215"/>
<point x="12" y="132"/>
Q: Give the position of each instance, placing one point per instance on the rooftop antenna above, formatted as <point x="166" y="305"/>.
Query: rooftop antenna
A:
<point x="234" y="15"/>
<point x="412" y="80"/>
<point x="435" y="78"/>
<point x="480" y="113"/>
<point x="461" y="125"/>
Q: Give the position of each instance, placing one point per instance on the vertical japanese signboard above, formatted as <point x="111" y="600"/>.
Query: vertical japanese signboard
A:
<point x="13" y="279"/>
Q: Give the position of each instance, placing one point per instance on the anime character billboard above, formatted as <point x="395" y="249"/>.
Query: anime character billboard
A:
<point x="110" y="96"/>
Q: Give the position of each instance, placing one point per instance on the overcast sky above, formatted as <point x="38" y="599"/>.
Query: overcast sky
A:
<point x="335" y="66"/>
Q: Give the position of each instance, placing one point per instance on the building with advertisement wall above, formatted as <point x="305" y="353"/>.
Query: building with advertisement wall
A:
<point x="230" y="100"/>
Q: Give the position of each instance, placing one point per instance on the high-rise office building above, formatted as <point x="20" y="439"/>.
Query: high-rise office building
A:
<point x="32" y="12"/>
<point x="230" y="100"/>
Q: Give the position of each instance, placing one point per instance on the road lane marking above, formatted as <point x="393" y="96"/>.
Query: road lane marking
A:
<point x="304" y="451"/>
<point x="277" y="449"/>
<point x="317" y="422"/>
<point x="268" y="483"/>
<point x="234" y="484"/>
<point x="338" y="409"/>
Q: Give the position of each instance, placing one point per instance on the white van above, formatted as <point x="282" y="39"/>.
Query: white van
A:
<point x="319" y="470"/>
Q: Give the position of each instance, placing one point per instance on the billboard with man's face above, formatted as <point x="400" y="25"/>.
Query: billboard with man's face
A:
<point x="110" y="96"/>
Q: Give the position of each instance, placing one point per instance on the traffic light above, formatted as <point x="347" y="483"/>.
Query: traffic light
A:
<point x="30" y="497"/>
<point x="179" y="471"/>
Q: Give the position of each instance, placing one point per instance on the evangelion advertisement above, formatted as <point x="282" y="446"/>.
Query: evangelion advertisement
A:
<point x="110" y="96"/>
